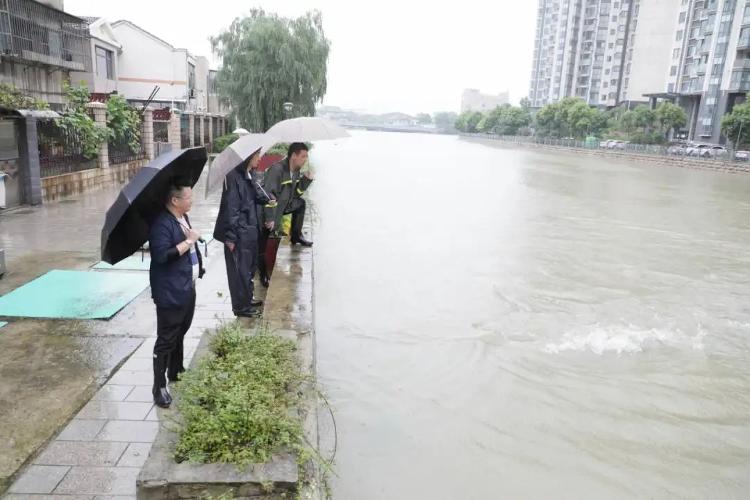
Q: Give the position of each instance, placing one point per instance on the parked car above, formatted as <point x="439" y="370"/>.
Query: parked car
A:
<point x="603" y="144"/>
<point x="709" y="151"/>
<point x="742" y="155"/>
<point x="677" y="149"/>
<point x="695" y="149"/>
<point x="718" y="152"/>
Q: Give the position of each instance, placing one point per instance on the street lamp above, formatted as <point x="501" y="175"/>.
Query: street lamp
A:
<point x="288" y="106"/>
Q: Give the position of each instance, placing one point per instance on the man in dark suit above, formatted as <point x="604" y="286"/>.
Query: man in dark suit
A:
<point x="237" y="227"/>
<point x="175" y="263"/>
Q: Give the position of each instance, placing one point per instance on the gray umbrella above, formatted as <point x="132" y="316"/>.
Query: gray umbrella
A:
<point x="127" y="223"/>
<point x="236" y="153"/>
<point x="307" y="129"/>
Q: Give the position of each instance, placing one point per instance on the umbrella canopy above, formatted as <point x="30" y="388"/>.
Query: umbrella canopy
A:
<point x="241" y="131"/>
<point x="306" y="129"/>
<point x="127" y="222"/>
<point x="235" y="154"/>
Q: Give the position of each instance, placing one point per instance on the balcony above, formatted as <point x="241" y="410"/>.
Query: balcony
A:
<point x="740" y="81"/>
<point x="35" y="34"/>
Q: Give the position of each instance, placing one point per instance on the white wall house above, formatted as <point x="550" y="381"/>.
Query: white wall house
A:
<point x="105" y="53"/>
<point x="147" y="61"/>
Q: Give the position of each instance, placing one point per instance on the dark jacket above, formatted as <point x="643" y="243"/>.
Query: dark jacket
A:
<point x="280" y="183"/>
<point x="238" y="212"/>
<point x="171" y="274"/>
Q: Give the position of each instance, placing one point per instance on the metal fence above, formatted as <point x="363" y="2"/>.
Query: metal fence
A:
<point x="669" y="151"/>
<point x="120" y="151"/>
<point x="184" y="131"/>
<point x="59" y="153"/>
<point x="161" y="131"/>
<point x="197" y="133"/>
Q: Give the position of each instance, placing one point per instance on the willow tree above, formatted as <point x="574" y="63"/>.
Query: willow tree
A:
<point x="269" y="60"/>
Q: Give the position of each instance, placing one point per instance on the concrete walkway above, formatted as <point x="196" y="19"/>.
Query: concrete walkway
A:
<point x="50" y="369"/>
<point x="101" y="451"/>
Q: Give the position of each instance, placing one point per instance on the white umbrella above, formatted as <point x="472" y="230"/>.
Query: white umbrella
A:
<point x="307" y="129"/>
<point x="235" y="154"/>
<point x="241" y="131"/>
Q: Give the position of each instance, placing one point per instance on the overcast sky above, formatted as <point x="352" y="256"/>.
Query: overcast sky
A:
<point x="386" y="55"/>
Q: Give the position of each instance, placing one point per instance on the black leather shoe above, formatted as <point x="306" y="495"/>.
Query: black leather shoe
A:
<point x="162" y="398"/>
<point x="250" y="313"/>
<point x="303" y="242"/>
<point x="256" y="303"/>
<point x="265" y="281"/>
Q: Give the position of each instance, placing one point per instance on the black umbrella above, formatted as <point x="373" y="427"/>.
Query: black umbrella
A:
<point x="126" y="226"/>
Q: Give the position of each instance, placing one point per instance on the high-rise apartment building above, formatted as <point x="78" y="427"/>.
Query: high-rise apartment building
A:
<point x="583" y="48"/>
<point x="695" y="53"/>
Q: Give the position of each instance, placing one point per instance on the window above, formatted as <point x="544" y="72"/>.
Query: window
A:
<point x="212" y="82"/>
<point x="679" y="36"/>
<point x="191" y="76"/>
<point x="676" y="54"/>
<point x="105" y="63"/>
<point x="683" y="15"/>
<point x="673" y="71"/>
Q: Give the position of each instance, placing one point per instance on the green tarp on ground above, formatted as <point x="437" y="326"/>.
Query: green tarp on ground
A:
<point x="73" y="295"/>
<point x="132" y="263"/>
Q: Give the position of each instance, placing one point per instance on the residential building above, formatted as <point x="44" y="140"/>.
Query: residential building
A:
<point x="473" y="100"/>
<point x="40" y="45"/>
<point x="583" y="48"/>
<point x="709" y="68"/>
<point x="105" y="53"/>
<point x="172" y="72"/>
<point x="215" y="104"/>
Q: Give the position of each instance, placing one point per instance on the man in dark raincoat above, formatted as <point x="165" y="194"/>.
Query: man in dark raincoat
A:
<point x="237" y="227"/>
<point x="284" y="182"/>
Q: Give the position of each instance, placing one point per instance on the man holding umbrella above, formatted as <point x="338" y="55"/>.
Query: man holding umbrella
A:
<point x="284" y="182"/>
<point x="237" y="227"/>
<point x="175" y="262"/>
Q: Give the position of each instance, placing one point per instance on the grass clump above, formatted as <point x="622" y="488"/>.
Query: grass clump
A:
<point x="239" y="404"/>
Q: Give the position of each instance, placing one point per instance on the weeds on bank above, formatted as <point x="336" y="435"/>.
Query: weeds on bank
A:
<point x="239" y="404"/>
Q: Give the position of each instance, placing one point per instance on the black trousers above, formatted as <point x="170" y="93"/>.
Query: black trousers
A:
<point x="241" y="267"/>
<point x="297" y="208"/>
<point x="172" y="323"/>
<point x="262" y="240"/>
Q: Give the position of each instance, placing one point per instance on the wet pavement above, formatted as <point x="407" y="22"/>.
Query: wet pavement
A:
<point x="50" y="369"/>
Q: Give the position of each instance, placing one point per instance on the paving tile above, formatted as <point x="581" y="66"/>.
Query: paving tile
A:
<point x="48" y="497"/>
<point x="100" y="481"/>
<point x="39" y="479"/>
<point x="81" y="453"/>
<point x="81" y="430"/>
<point x="115" y="497"/>
<point x="142" y="394"/>
<point x="111" y="392"/>
<point x="138" y="364"/>
<point x="115" y="410"/>
<point x="131" y="377"/>
<point x="153" y="415"/>
<point x="146" y="350"/>
<point x="135" y="455"/>
<point x="131" y="431"/>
